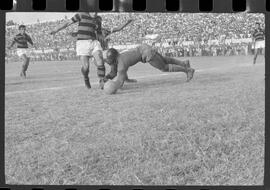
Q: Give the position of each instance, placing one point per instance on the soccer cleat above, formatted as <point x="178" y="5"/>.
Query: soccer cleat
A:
<point x="130" y="80"/>
<point x="101" y="83"/>
<point x="187" y="64"/>
<point x="23" y="74"/>
<point x="190" y="74"/>
<point x="87" y="83"/>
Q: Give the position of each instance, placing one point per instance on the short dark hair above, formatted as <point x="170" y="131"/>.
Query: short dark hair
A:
<point x="22" y="26"/>
<point x="112" y="53"/>
<point x="258" y="23"/>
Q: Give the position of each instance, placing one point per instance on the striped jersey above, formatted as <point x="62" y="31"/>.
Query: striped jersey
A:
<point x="258" y="34"/>
<point x="22" y="40"/>
<point x="87" y="27"/>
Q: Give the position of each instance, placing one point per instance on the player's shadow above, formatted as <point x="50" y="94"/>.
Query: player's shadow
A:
<point x="204" y="79"/>
<point x="14" y="83"/>
<point x="142" y="86"/>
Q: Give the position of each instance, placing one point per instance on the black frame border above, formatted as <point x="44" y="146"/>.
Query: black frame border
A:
<point x="186" y="6"/>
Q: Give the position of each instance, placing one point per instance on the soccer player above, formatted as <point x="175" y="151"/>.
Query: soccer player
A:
<point x="87" y="45"/>
<point x="258" y="39"/>
<point x="22" y="39"/>
<point x="144" y="53"/>
<point x="103" y="35"/>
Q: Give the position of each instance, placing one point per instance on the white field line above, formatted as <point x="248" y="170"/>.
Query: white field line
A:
<point x="95" y="83"/>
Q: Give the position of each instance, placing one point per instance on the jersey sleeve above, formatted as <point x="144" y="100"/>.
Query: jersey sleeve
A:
<point x="76" y="18"/>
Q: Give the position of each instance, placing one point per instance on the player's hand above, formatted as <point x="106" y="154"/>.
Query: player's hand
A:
<point x="73" y="34"/>
<point x="53" y="32"/>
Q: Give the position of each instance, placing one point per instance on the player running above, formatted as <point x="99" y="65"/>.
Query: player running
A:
<point x="143" y="53"/>
<point x="258" y="39"/>
<point x="22" y="39"/>
<point x="87" y="45"/>
<point x="103" y="37"/>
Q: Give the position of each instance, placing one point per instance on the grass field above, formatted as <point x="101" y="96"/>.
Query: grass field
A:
<point x="159" y="131"/>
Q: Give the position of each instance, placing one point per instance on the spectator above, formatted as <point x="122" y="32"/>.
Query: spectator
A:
<point x="184" y="34"/>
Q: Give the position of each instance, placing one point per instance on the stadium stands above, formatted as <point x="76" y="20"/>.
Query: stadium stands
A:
<point x="182" y="34"/>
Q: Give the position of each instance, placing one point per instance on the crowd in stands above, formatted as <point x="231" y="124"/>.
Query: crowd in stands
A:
<point x="182" y="34"/>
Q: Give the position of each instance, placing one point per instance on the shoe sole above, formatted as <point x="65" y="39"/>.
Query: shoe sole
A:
<point x="192" y="74"/>
<point x="188" y="64"/>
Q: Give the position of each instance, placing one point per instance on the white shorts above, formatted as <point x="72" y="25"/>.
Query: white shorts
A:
<point x="87" y="47"/>
<point x="23" y="51"/>
<point x="259" y="44"/>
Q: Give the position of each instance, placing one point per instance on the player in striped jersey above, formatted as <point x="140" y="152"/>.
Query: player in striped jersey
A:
<point x="144" y="53"/>
<point x="103" y="37"/>
<point x="87" y="44"/>
<point x="22" y="39"/>
<point x="258" y="39"/>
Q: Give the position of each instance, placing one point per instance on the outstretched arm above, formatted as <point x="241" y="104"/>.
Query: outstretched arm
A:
<point x="74" y="19"/>
<point x="119" y="28"/>
<point x="65" y="25"/>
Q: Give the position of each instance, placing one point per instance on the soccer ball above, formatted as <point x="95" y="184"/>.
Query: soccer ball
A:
<point x="110" y="87"/>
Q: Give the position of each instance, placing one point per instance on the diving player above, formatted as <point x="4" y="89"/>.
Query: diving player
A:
<point x="144" y="53"/>
<point x="103" y="37"/>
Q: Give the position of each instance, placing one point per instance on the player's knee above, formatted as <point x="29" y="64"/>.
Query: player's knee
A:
<point x="84" y="61"/>
<point x="24" y="57"/>
<point x="85" y="71"/>
<point x="98" y="57"/>
<point x="84" y="58"/>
